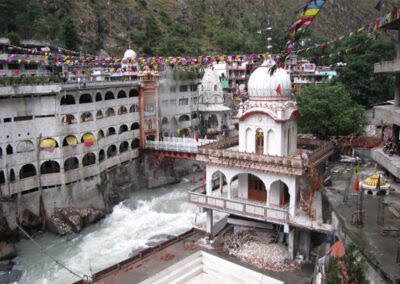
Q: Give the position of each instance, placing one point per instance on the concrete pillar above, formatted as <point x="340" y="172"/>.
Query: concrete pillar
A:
<point x="229" y="190"/>
<point x="210" y="221"/>
<point x="221" y="181"/>
<point x="291" y="243"/>
<point x="208" y="182"/>
<point x="397" y="90"/>
<point x="304" y="243"/>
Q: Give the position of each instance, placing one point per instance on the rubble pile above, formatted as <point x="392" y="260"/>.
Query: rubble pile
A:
<point x="256" y="248"/>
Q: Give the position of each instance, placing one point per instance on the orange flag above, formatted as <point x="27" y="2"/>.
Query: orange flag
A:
<point x="356" y="184"/>
<point x="279" y="90"/>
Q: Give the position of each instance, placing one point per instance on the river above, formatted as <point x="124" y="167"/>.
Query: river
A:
<point x="133" y="222"/>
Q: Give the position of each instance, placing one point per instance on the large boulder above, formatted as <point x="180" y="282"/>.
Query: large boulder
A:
<point x="73" y="220"/>
<point x="30" y="220"/>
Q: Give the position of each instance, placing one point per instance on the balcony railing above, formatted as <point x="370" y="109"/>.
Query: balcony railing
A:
<point x="242" y="207"/>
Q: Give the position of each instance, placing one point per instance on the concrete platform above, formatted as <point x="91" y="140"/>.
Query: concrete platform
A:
<point x="392" y="164"/>
<point x="378" y="238"/>
<point x="140" y="269"/>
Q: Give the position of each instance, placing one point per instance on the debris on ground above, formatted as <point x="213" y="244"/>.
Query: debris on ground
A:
<point x="257" y="248"/>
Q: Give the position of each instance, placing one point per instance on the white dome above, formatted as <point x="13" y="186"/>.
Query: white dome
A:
<point x="262" y="84"/>
<point x="129" y="53"/>
<point x="211" y="87"/>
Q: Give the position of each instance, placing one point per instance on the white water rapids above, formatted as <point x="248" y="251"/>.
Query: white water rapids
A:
<point x="133" y="222"/>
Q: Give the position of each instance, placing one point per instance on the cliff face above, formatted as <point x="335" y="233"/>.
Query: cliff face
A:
<point x="176" y="27"/>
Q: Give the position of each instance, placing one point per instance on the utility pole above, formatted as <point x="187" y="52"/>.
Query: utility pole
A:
<point x="109" y="3"/>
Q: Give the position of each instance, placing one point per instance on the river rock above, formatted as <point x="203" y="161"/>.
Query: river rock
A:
<point x="7" y="251"/>
<point x="57" y="226"/>
<point x="6" y="265"/>
<point x="73" y="220"/>
<point x="6" y="234"/>
<point x="30" y="220"/>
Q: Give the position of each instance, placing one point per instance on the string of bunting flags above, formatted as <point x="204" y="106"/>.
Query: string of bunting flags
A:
<point x="306" y="14"/>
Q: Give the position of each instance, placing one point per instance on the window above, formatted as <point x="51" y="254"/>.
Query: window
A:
<point x="193" y="88"/>
<point x="164" y="103"/>
<point x="172" y="89"/>
<point x="149" y="107"/>
<point x="183" y="88"/>
<point x="8" y="119"/>
<point x="172" y="102"/>
<point x="215" y="87"/>
<point x="183" y="102"/>
<point x="194" y="101"/>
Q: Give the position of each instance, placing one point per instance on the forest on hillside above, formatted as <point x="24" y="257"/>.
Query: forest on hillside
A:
<point x="175" y="27"/>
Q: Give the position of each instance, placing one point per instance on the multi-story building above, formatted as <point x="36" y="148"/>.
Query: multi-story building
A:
<point x="390" y="114"/>
<point x="178" y="106"/>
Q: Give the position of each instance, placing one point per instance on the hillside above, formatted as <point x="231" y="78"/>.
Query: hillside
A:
<point x="175" y="27"/>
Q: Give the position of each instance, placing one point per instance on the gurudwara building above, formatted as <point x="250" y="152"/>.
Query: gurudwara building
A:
<point x="262" y="172"/>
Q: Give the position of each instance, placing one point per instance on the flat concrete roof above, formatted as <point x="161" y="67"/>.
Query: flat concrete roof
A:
<point x="377" y="243"/>
<point x="141" y="269"/>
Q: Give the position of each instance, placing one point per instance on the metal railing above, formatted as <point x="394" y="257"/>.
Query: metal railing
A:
<point x="177" y="144"/>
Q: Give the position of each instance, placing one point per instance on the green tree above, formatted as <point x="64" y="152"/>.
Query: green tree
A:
<point x="327" y="110"/>
<point x="360" y="54"/>
<point x="70" y="35"/>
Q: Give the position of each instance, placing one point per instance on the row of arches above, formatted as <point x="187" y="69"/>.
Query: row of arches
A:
<point x="88" y="98"/>
<point x="182" y="118"/>
<point x="71" y="163"/>
<point x="88" y="116"/>
<point x="251" y="187"/>
<point x="69" y="140"/>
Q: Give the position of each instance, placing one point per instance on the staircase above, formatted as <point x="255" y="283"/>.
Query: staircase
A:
<point x="306" y="194"/>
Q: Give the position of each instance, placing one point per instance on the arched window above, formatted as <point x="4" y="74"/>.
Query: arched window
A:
<point x="164" y="121"/>
<point x="70" y="140"/>
<point x="68" y="119"/>
<point x="135" y="143"/>
<point x="100" y="135"/>
<point x="12" y="175"/>
<point x="2" y="178"/>
<point x="124" y="147"/>
<point x="111" y="151"/>
<point x="215" y="87"/>
<point x="86" y="116"/>
<point x="26" y="171"/>
<point x="49" y="167"/>
<point x="25" y="146"/>
<point x="259" y="141"/>
<point x="67" y="100"/>
<point x="121" y="95"/>
<point x="102" y="156"/>
<point x="48" y="144"/>
<point x="135" y="126"/>
<point x="122" y="110"/>
<point x="132" y="108"/>
<point x="110" y="112"/>
<point x="99" y="98"/>
<point x="99" y="115"/>
<point x="1" y="152"/>
<point x="71" y="164"/>
<point x="89" y="159"/>
<point x="85" y="99"/>
<point x="109" y="96"/>
<point x="110" y="131"/>
<point x="122" y="129"/>
<point x="88" y="139"/>
<point x="9" y="149"/>
<point x="194" y="115"/>
<point x="184" y="118"/>
<point x="133" y="93"/>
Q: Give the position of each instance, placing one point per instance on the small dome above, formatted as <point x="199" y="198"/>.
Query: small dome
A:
<point x="373" y="180"/>
<point x="262" y="84"/>
<point x="129" y="53"/>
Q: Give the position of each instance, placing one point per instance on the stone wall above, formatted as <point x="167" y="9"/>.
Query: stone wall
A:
<point x="100" y="192"/>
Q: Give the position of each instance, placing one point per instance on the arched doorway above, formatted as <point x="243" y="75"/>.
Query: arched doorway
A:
<point x="259" y="141"/>
<point x="279" y="194"/>
<point x="256" y="189"/>
<point x="218" y="180"/>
